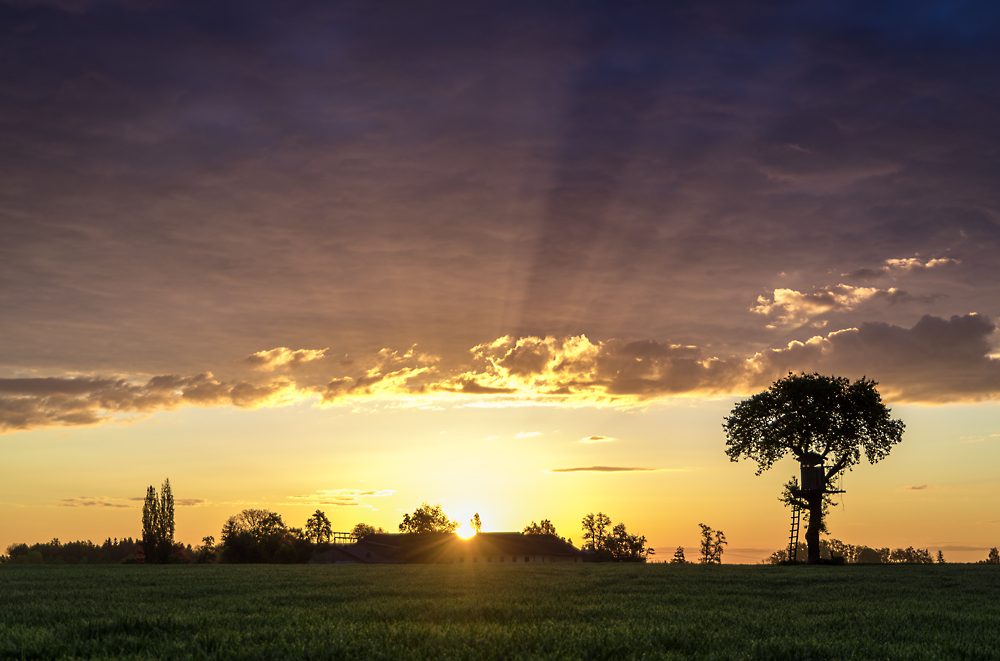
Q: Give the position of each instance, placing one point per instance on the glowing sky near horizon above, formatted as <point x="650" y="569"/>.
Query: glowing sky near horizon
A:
<point x="518" y="262"/>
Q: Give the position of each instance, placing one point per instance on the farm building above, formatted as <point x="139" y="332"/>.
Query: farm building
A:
<point x="449" y="548"/>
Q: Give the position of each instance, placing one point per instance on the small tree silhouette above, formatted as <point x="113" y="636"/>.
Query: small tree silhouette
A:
<point x="711" y="547"/>
<point x="318" y="528"/>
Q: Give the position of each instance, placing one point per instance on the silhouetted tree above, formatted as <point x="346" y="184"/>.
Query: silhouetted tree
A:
<point x="940" y="557"/>
<point x="150" y="524"/>
<point x="616" y="546"/>
<point x="595" y="531"/>
<point x="166" y="541"/>
<point x="318" y="528"/>
<point x="994" y="557"/>
<point x="625" y="547"/>
<point x="544" y="528"/>
<point x="206" y="552"/>
<point x="252" y="536"/>
<point x="712" y="542"/>
<point x="814" y="418"/>
<point x="476" y="523"/>
<point x="428" y="519"/>
<point x="362" y="530"/>
<point x="678" y="558"/>
<point x="158" y="524"/>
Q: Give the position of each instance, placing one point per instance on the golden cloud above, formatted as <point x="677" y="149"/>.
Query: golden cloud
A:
<point x="340" y="497"/>
<point x="937" y="360"/>
<point x="282" y="357"/>
<point x="787" y="307"/>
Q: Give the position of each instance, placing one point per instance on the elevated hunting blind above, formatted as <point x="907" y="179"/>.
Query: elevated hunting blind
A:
<point x="813" y="472"/>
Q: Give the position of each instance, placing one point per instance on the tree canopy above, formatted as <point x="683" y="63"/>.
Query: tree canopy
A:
<point x="318" y="528"/>
<point x="362" y="530"/>
<point x="617" y="546"/>
<point x="810" y="413"/>
<point x="428" y="519"/>
<point x="546" y="527"/>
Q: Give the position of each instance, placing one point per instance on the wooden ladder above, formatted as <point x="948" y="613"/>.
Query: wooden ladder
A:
<point x="793" y="537"/>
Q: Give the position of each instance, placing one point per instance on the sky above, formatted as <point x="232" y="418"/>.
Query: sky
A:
<point x="519" y="260"/>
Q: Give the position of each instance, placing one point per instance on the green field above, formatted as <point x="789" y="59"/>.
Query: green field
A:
<point x="500" y="612"/>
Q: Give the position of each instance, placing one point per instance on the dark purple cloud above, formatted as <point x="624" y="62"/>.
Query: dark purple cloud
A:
<point x="182" y="185"/>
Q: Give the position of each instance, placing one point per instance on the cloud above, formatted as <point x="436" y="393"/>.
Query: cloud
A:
<point x="386" y="373"/>
<point x="905" y="265"/>
<point x="122" y="503"/>
<point x="575" y="368"/>
<point x="95" y="501"/>
<point x="787" y="307"/>
<point x="283" y="356"/>
<point x="919" y="487"/>
<point x="936" y="360"/>
<point x="602" y="469"/>
<point x="28" y="403"/>
<point x="596" y="439"/>
<point x="527" y="434"/>
<point x="911" y="264"/>
<point x="340" y="497"/>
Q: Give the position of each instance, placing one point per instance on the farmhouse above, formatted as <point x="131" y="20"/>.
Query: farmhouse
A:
<point x="449" y="548"/>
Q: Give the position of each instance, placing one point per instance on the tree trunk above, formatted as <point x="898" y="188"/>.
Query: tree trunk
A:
<point x="815" y="522"/>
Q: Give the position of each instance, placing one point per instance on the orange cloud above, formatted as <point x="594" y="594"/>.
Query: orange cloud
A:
<point x="937" y="360"/>
<point x="341" y="497"/>
<point x="283" y="356"/>
<point x="787" y="307"/>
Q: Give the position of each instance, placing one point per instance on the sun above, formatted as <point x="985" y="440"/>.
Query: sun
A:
<point x="465" y="531"/>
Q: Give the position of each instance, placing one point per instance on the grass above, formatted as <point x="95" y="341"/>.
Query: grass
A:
<point x="500" y="612"/>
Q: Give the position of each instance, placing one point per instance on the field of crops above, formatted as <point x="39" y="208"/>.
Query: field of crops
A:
<point x="500" y="612"/>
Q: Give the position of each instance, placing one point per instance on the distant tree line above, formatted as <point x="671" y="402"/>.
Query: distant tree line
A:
<point x="834" y="550"/>
<point x="73" y="553"/>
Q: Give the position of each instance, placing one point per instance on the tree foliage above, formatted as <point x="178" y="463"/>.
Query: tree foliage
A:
<point x="476" y="523"/>
<point x="810" y="413"/>
<point x="362" y="530"/>
<point x="318" y="528"/>
<point x="546" y="527"/>
<point x="595" y="530"/>
<point x="712" y="542"/>
<point x="253" y="535"/>
<point x="678" y="558"/>
<point x="428" y="519"/>
<point x="158" y="524"/>
<point x="617" y="546"/>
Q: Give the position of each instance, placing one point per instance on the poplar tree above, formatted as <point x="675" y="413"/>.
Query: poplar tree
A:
<point x="166" y="520"/>
<point x="150" y="525"/>
<point x="158" y="524"/>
